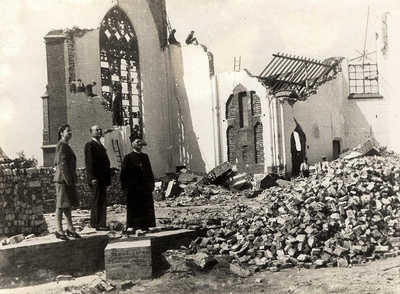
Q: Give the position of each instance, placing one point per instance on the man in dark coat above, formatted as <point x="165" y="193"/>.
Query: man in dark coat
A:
<point x="191" y="39"/>
<point x="98" y="174"/>
<point x="118" y="119"/>
<point x="172" y="40"/>
<point x="137" y="182"/>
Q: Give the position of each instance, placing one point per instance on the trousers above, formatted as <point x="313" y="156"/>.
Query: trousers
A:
<point x="98" y="212"/>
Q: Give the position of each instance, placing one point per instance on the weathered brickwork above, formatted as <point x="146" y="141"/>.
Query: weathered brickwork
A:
<point x="54" y="257"/>
<point x="245" y="131"/>
<point x="128" y="260"/>
<point x="232" y="106"/>
<point x="142" y="259"/>
<point x="258" y="133"/>
<point x="231" y="133"/>
<point x="27" y="193"/>
<point x="114" y="192"/>
<point x="21" y="202"/>
<point x="56" y="53"/>
<point x="255" y="104"/>
<point x="71" y="61"/>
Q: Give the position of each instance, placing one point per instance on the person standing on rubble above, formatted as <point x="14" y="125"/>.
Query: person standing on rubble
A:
<point x="98" y="176"/>
<point x="65" y="179"/>
<point x="305" y="168"/>
<point x="322" y="166"/>
<point x="137" y="182"/>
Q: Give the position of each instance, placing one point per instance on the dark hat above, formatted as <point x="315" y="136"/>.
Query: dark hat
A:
<point x="141" y="140"/>
<point x="134" y="137"/>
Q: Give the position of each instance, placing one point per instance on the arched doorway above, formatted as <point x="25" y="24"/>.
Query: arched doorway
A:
<point x="336" y="149"/>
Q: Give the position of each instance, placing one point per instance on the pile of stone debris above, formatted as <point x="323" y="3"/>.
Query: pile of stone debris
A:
<point x="347" y="216"/>
<point x="187" y="184"/>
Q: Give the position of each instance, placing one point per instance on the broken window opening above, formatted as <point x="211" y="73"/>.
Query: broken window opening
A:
<point x="243" y="110"/>
<point x="119" y="57"/>
<point x="363" y="78"/>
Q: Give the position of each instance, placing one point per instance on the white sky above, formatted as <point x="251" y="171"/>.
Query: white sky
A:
<point x="252" y="29"/>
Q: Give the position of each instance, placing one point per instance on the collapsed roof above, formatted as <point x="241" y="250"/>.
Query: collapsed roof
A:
<point x="3" y="156"/>
<point x="302" y="76"/>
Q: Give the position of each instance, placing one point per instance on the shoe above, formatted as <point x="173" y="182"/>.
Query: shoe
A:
<point x="61" y="236"/>
<point x="129" y="231"/>
<point x="102" y="229"/>
<point x="73" y="234"/>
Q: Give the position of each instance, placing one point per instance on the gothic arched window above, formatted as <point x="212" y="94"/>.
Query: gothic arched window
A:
<point x="119" y="58"/>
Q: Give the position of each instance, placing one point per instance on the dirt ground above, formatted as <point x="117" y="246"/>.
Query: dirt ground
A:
<point x="381" y="276"/>
<point x="375" y="277"/>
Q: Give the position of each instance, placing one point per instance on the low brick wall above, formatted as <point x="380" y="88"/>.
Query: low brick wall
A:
<point x="21" y="202"/>
<point x="123" y="259"/>
<point x="141" y="257"/>
<point x="55" y="257"/>
<point x="128" y="260"/>
<point x="114" y="192"/>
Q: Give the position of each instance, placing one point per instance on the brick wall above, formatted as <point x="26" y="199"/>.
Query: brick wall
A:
<point x="232" y="107"/>
<point x="245" y="131"/>
<point x="27" y="193"/>
<point x="54" y="257"/>
<point x="231" y="133"/>
<point x="141" y="259"/>
<point x="56" y="54"/>
<point x="255" y="104"/>
<point x="21" y="201"/>
<point x="114" y="192"/>
<point x="258" y="133"/>
<point x="57" y="81"/>
<point x="47" y="257"/>
<point x="71" y="61"/>
<point x="128" y="260"/>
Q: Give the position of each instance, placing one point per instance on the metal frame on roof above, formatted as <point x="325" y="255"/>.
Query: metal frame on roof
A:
<point x="298" y="74"/>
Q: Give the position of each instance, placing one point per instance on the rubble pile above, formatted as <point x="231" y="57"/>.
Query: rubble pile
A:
<point x="347" y="216"/>
<point x="191" y="219"/>
<point x="187" y="184"/>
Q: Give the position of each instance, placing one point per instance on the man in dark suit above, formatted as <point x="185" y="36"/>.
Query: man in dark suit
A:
<point x="98" y="174"/>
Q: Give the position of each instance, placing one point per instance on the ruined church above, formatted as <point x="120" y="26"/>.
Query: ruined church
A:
<point x="125" y="77"/>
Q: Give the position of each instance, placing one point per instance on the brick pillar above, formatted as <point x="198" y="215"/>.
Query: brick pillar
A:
<point x="128" y="260"/>
<point x="57" y="76"/>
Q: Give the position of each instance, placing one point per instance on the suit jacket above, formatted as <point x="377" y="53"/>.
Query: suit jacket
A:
<point x="65" y="163"/>
<point x="97" y="164"/>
